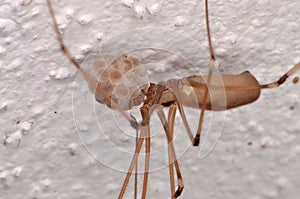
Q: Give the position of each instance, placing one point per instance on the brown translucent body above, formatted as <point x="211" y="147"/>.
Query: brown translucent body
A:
<point x="223" y="91"/>
<point x="220" y="97"/>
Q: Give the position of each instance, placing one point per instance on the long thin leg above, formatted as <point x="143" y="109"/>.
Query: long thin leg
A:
<point x="282" y="79"/>
<point x="275" y="84"/>
<point x="196" y="140"/>
<point x="136" y="168"/>
<point x="147" y="161"/>
<point x="145" y="131"/>
<point x="86" y="75"/>
<point x="175" y="88"/>
<point x="172" y="151"/>
<point x="145" y="135"/>
<point x="133" y="163"/>
<point x="171" y="118"/>
<point x="171" y="173"/>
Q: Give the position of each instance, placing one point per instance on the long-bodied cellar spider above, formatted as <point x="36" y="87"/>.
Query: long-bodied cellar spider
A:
<point x="213" y="92"/>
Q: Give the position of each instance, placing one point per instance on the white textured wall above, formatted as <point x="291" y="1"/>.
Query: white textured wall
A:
<point x="41" y="154"/>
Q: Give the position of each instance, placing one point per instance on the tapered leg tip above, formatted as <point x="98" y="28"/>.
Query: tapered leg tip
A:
<point x="196" y="141"/>
<point x="178" y="192"/>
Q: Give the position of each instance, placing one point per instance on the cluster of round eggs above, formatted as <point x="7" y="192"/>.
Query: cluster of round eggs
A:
<point x="123" y="80"/>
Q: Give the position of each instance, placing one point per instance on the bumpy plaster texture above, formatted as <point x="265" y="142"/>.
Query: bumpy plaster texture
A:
<point x="58" y="142"/>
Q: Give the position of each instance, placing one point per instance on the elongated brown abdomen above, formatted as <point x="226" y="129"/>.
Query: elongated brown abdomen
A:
<point x="225" y="92"/>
